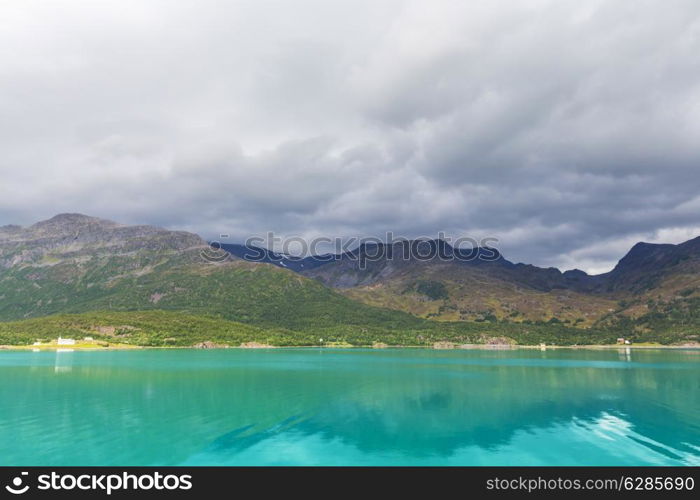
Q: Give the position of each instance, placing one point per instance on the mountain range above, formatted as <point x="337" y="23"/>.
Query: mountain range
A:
<point x="152" y="286"/>
<point x="476" y="288"/>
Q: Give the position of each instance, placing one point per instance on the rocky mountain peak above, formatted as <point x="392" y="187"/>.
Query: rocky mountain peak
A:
<point x="63" y="224"/>
<point x="76" y="237"/>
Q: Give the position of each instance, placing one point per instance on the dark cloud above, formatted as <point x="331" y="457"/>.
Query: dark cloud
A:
<point x="566" y="129"/>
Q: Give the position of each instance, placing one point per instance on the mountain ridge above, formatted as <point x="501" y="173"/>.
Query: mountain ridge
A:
<point x="476" y="288"/>
<point x="637" y="252"/>
<point x="76" y="264"/>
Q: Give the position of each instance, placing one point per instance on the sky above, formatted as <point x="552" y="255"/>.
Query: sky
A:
<point x="567" y="130"/>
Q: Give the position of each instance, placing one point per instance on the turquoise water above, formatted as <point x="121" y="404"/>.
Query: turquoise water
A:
<point x="350" y="407"/>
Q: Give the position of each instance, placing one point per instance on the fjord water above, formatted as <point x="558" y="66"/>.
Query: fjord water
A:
<point x="350" y="407"/>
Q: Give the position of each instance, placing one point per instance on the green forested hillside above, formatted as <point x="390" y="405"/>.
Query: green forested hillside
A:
<point x="172" y="328"/>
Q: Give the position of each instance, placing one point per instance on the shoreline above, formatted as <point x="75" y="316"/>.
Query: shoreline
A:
<point x="467" y="347"/>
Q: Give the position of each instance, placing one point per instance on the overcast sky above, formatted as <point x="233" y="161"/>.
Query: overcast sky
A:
<point x="567" y="129"/>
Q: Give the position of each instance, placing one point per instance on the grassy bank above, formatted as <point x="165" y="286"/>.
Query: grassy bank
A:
<point x="176" y="329"/>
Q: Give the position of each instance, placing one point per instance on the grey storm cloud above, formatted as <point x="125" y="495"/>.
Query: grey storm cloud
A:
<point x="568" y="130"/>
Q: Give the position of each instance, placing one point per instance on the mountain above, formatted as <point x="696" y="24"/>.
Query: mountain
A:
<point x="76" y="273"/>
<point x="72" y="238"/>
<point x="102" y="277"/>
<point x="474" y="285"/>
<point x="430" y="278"/>
<point x="480" y="284"/>
<point x="258" y="254"/>
<point x="71" y="259"/>
<point x="649" y="266"/>
<point x="74" y="263"/>
<point x="658" y="287"/>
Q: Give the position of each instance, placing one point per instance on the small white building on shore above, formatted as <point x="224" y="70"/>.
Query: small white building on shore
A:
<point x="62" y="341"/>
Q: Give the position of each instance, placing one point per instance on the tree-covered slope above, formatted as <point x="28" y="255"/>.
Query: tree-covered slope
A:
<point x="159" y="328"/>
<point x="145" y="328"/>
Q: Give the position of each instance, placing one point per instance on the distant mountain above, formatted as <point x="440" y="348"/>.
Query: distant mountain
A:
<point x="258" y="254"/>
<point x="362" y="265"/>
<point x="482" y="284"/>
<point x="75" y="237"/>
<point x="458" y="284"/>
<point x="647" y="266"/>
<point x="107" y="272"/>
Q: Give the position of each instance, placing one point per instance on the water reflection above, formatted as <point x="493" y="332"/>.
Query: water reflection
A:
<point x="625" y="354"/>
<point x="64" y="361"/>
<point x="608" y="438"/>
<point x="350" y="407"/>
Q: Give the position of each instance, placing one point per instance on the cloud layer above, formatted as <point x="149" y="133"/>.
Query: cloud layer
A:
<point x="568" y="130"/>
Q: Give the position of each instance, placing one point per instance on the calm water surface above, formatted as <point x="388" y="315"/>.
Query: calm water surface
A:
<point x="350" y="407"/>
